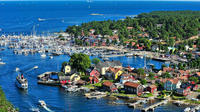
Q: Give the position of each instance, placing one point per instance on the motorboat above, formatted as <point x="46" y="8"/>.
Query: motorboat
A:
<point x="64" y="86"/>
<point x="2" y="63"/>
<point x="43" y="55"/>
<point x="21" y="82"/>
<point x="42" y="103"/>
<point x="51" y="57"/>
<point x="39" y="19"/>
<point x="187" y="109"/>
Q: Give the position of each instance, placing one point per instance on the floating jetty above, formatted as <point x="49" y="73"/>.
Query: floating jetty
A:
<point x="96" y="95"/>
<point x="195" y="109"/>
<point x="152" y="107"/>
<point x="46" y="80"/>
<point x="133" y="105"/>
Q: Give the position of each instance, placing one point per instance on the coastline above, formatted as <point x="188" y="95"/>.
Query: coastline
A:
<point x="6" y="106"/>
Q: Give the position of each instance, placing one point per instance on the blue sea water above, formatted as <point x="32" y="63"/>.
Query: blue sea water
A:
<point x="20" y="17"/>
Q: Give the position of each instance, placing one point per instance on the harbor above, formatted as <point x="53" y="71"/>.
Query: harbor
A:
<point x="103" y="56"/>
<point x="52" y="45"/>
<point x="44" y="92"/>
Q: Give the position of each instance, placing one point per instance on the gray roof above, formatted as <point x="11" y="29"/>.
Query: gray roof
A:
<point x="64" y="77"/>
<point x="108" y="64"/>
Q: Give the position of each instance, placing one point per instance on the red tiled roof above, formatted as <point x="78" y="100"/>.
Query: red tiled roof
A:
<point x="168" y="69"/>
<point x="107" y="83"/>
<point x="125" y="75"/>
<point x="131" y="84"/>
<point x="174" y="81"/>
<point x="152" y="86"/>
<point x="114" y="70"/>
<point x="198" y="73"/>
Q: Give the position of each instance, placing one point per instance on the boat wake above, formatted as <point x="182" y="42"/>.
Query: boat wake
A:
<point x="47" y="109"/>
<point x="34" y="109"/>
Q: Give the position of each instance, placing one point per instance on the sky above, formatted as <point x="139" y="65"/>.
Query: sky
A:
<point x="100" y="0"/>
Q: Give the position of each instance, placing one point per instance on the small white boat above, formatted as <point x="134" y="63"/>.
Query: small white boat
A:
<point x="2" y="63"/>
<point x="39" y="19"/>
<point x="187" y="109"/>
<point x="64" y="86"/>
<point x="51" y="57"/>
<point x="42" y="103"/>
<point x="43" y="55"/>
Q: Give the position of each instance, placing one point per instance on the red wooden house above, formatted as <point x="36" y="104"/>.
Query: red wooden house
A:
<point x="152" y="88"/>
<point x="134" y="88"/>
<point x="183" y="91"/>
<point x="196" y="87"/>
<point x="109" y="86"/>
<point x="94" y="75"/>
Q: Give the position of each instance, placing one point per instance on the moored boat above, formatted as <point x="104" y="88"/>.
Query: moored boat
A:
<point x="43" y="55"/>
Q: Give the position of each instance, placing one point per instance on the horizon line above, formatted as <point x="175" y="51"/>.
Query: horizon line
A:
<point x="107" y="0"/>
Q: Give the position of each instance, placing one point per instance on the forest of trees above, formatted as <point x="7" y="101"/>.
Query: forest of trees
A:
<point x="158" y="24"/>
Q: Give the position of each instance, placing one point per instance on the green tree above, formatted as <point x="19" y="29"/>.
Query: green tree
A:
<point x="195" y="79"/>
<point x="63" y="65"/>
<point x="163" y="65"/>
<point x="151" y="76"/>
<point x="80" y="62"/>
<point x="141" y="72"/>
<point x="95" y="61"/>
<point x="143" y="82"/>
<point x="166" y="75"/>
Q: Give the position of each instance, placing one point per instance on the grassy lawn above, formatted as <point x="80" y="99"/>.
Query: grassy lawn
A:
<point x="197" y="90"/>
<point x="174" y="97"/>
<point x="90" y="86"/>
<point x="193" y="102"/>
<point x="124" y="95"/>
<point x="147" y="95"/>
<point x="5" y="106"/>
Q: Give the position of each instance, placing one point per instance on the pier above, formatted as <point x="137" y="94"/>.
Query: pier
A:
<point x="152" y="107"/>
<point x="195" y="109"/>
<point x="96" y="95"/>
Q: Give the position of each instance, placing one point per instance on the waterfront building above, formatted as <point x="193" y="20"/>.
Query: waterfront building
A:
<point x="94" y="75"/>
<point x="152" y="88"/>
<point x="113" y="73"/>
<point x="133" y="88"/>
<point x="172" y="84"/>
<point x="103" y="66"/>
<point x="126" y="78"/>
<point x="109" y="86"/>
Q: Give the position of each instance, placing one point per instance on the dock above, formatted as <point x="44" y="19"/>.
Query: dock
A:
<point x="133" y="105"/>
<point x="195" y="109"/>
<point x="152" y="107"/>
<point x="96" y="95"/>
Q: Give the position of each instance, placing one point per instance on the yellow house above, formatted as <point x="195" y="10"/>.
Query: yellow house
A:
<point x="116" y="71"/>
<point x="75" y="77"/>
<point x="67" y="69"/>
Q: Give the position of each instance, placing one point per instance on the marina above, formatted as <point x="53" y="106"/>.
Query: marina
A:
<point x="48" y="65"/>
<point x="125" y="65"/>
<point x="52" y="46"/>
